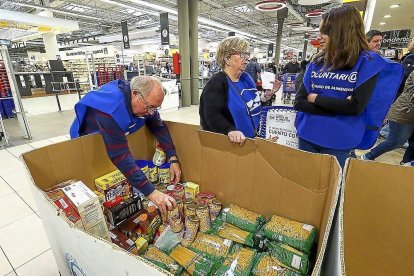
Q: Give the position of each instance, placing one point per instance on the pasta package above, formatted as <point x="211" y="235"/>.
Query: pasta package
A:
<point x="298" y="235"/>
<point x="194" y="263"/>
<point x="289" y="256"/>
<point x="162" y="260"/>
<point x="228" y="231"/>
<point x="212" y="247"/>
<point x="243" y="218"/>
<point x="266" y="265"/>
<point x="238" y="263"/>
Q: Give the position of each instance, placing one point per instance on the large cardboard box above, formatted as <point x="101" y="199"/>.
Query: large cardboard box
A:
<point x="261" y="176"/>
<point x="374" y="232"/>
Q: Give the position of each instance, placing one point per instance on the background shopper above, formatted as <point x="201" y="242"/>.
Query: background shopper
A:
<point x="253" y="69"/>
<point x="230" y="103"/>
<point x="118" y="108"/>
<point x="374" y="38"/>
<point x="401" y="122"/>
<point x="338" y="95"/>
<point x="291" y="67"/>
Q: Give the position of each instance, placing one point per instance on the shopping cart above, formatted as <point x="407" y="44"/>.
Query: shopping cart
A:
<point x="289" y="91"/>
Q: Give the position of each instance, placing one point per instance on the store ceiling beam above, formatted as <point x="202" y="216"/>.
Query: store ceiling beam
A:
<point x="57" y="24"/>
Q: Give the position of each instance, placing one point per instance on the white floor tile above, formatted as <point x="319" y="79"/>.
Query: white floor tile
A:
<point x="18" y="150"/>
<point x="5" y="267"/>
<point x="16" y="209"/>
<point x="43" y="265"/>
<point x="24" y="240"/>
<point x="41" y="143"/>
<point x="5" y="188"/>
<point x="12" y="274"/>
<point x="27" y="195"/>
<point x="58" y="139"/>
<point x="18" y="179"/>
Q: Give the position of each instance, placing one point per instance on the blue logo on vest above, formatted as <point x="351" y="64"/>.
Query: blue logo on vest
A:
<point x="73" y="266"/>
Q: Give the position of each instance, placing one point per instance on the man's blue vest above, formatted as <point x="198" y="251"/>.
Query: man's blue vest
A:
<point x="345" y="132"/>
<point x="108" y="99"/>
<point x="244" y="104"/>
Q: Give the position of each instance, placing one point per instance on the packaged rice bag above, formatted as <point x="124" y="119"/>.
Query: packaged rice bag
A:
<point x="298" y="235"/>
<point x="243" y="218"/>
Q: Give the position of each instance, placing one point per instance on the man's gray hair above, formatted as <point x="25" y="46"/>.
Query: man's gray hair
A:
<point x="144" y="84"/>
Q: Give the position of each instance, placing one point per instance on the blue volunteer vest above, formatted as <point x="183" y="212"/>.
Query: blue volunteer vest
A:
<point x="108" y="99"/>
<point x="345" y="132"/>
<point x="244" y="104"/>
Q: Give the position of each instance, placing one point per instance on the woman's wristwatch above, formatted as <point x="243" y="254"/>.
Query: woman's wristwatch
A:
<point x="173" y="159"/>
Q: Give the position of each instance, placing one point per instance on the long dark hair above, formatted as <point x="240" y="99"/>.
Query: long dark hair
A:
<point x="347" y="40"/>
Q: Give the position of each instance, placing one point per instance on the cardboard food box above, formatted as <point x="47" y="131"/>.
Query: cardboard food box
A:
<point x="88" y="207"/>
<point x="64" y="204"/>
<point x="373" y="234"/>
<point x="123" y="241"/>
<point x="261" y="176"/>
<point x="113" y="184"/>
<point x="124" y="210"/>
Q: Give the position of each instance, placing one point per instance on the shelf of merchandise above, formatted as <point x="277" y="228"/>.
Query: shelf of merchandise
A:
<point x="4" y="82"/>
<point x="80" y="70"/>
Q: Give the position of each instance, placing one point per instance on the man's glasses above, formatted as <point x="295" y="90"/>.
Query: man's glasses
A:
<point x="150" y="108"/>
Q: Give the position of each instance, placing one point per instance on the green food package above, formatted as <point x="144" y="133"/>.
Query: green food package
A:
<point x="162" y="260"/>
<point x="243" y="218"/>
<point x="298" y="235"/>
<point x="213" y="247"/>
<point x="238" y="263"/>
<point x="228" y="231"/>
<point x="266" y="265"/>
<point x="194" y="263"/>
<point x="289" y="256"/>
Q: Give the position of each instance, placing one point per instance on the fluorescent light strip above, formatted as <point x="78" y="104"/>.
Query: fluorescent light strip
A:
<point x="129" y="7"/>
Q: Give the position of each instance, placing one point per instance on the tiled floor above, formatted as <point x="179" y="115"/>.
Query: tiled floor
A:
<point x="24" y="248"/>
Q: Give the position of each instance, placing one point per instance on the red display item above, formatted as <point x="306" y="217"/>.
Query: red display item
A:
<point x="112" y="203"/>
<point x="176" y="63"/>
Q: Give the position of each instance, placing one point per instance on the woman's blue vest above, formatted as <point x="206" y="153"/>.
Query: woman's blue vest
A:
<point x="108" y="99"/>
<point x="244" y="104"/>
<point x="346" y="132"/>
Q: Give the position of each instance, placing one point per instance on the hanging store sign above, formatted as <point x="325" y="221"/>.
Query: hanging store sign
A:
<point x="125" y="36"/>
<point x="165" y="29"/>
<point x="396" y="38"/>
<point x="270" y="50"/>
<point x="97" y="51"/>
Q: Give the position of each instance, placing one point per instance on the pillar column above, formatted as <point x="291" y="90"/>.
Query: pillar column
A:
<point x="51" y="45"/>
<point x="184" y="48"/>
<point x="193" y="37"/>
<point x="281" y="16"/>
<point x="305" y="49"/>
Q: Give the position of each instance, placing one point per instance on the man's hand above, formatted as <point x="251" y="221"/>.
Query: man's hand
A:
<point x="175" y="172"/>
<point x="312" y="97"/>
<point x="276" y="86"/>
<point x="236" y="137"/>
<point x="164" y="203"/>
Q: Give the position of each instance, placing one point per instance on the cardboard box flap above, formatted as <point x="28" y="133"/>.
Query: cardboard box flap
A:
<point x="378" y="219"/>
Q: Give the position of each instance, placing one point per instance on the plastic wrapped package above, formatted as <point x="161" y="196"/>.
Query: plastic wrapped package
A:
<point x="238" y="263"/>
<point x="162" y="260"/>
<point x="298" y="235"/>
<point x="212" y="247"/>
<point x="266" y="265"/>
<point x="228" y="231"/>
<point x="289" y="256"/>
<point x="194" y="263"/>
<point x="243" y="218"/>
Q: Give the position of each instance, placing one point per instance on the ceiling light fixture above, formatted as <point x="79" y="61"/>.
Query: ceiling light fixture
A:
<point x="395" y="6"/>
<point x="314" y="13"/>
<point x="382" y="23"/>
<point x="387" y="16"/>
<point x="270" y="5"/>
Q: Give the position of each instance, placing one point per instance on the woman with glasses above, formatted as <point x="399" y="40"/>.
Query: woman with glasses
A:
<point x="347" y="89"/>
<point x="230" y="103"/>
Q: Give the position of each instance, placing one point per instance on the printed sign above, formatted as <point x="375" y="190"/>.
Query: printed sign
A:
<point x="270" y="50"/>
<point x="396" y="38"/>
<point x="125" y="36"/>
<point x="165" y="29"/>
<point x="278" y="123"/>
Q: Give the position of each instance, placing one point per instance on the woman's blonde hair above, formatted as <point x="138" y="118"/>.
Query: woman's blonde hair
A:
<point x="345" y="28"/>
<point x="229" y="46"/>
